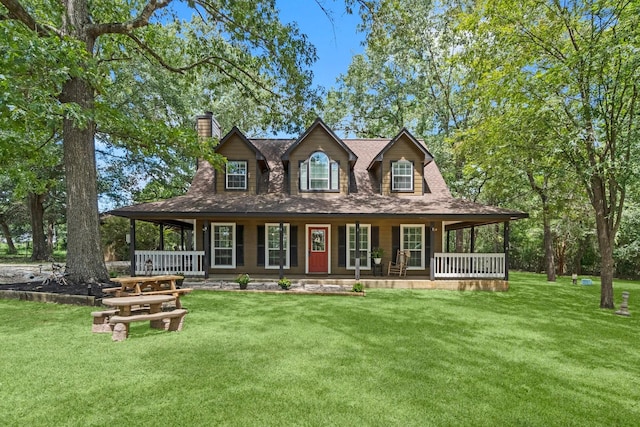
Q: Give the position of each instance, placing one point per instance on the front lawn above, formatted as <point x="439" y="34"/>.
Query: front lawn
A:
<point x="541" y="354"/>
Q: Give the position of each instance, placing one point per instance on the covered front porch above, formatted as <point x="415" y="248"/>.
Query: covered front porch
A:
<point x="466" y="271"/>
<point x="444" y="269"/>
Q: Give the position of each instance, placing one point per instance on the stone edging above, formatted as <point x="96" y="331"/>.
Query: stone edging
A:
<point x="50" y="297"/>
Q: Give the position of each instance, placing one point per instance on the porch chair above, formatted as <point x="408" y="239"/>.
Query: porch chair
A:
<point x="399" y="267"/>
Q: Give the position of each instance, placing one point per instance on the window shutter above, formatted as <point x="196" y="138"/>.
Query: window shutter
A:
<point x="293" y="245"/>
<point x="260" y="256"/>
<point x="427" y="245"/>
<point x="239" y="245"/>
<point x="342" y="246"/>
<point x="334" y="175"/>
<point x="302" y="168"/>
<point x="375" y="236"/>
<point x="395" y="242"/>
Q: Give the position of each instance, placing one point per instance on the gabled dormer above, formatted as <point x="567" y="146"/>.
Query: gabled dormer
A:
<point x="399" y="166"/>
<point x="318" y="162"/>
<point x="245" y="166"/>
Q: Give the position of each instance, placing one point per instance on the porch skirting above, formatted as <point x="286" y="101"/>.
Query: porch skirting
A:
<point x="495" y="285"/>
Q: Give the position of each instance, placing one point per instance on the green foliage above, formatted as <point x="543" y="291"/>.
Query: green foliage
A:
<point x="243" y="280"/>
<point x="627" y="252"/>
<point x="114" y="230"/>
<point x="377" y="252"/>
<point x="284" y="283"/>
<point x="358" y="287"/>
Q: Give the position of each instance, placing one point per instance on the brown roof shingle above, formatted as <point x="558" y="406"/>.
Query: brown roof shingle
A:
<point x="364" y="200"/>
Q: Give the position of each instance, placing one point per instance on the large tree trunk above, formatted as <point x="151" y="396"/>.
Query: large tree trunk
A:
<point x="541" y="191"/>
<point x="549" y="262"/>
<point x="604" y="226"/>
<point x="36" y="214"/>
<point x="84" y="251"/>
<point x="50" y="233"/>
<point x="11" y="248"/>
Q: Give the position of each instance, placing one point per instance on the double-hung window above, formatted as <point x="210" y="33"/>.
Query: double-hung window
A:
<point x="273" y="245"/>
<point x="223" y="249"/>
<point x="402" y="176"/>
<point x="319" y="173"/>
<point x="365" y="246"/>
<point x="412" y="240"/>
<point x="236" y="176"/>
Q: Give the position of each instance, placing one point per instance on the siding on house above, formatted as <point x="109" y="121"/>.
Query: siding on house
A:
<point x="403" y="149"/>
<point x="236" y="149"/>
<point x="318" y="140"/>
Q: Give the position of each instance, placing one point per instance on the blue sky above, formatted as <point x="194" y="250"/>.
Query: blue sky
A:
<point x="336" y="42"/>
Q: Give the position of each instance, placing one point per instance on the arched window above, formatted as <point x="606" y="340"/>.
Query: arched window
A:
<point x="319" y="173"/>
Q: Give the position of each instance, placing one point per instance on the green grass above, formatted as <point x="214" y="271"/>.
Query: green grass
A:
<point x="541" y="354"/>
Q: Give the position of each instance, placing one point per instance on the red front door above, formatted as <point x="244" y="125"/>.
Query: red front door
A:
<point x="318" y="249"/>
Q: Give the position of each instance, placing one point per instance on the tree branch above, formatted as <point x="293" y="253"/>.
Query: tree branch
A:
<point x="140" y="21"/>
<point x="19" y="13"/>
<point x="206" y="60"/>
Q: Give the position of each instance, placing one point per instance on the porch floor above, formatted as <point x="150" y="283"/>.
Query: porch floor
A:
<point x="370" y="282"/>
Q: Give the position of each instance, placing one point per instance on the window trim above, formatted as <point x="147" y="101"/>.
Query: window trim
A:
<point x="304" y="175"/>
<point x="393" y="176"/>
<point x="349" y="247"/>
<point x="245" y="175"/>
<point x="287" y="257"/>
<point x="214" y="248"/>
<point x="422" y="244"/>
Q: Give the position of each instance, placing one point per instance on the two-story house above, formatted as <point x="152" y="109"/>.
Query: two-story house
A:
<point x="299" y="207"/>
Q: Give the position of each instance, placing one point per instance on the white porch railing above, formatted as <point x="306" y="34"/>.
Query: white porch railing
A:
<point x="170" y="262"/>
<point x="469" y="266"/>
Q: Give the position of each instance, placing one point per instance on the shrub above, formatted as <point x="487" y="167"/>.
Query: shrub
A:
<point x="284" y="283"/>
<point x="357" y="287"/>
<point x="243" y="280"/>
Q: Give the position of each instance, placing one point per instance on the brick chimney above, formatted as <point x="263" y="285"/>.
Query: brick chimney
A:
<point x="207" y="126"/>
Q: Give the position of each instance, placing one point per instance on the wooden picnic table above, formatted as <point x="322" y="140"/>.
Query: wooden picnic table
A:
<point x="148" y="285"/>
<point x="138" y="283"/>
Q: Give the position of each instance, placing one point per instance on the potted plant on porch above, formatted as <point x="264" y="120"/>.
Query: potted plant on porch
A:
<point x="376" y="254"/>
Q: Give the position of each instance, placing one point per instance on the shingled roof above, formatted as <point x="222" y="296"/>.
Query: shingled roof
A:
<point x="364" y="199"/>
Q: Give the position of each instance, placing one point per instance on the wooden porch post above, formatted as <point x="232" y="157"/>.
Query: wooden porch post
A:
<point x="357" y="250"/>
<point x="473" y="239"/>
<point x="132" y="247"/>
<point x="448" y="241"/>
<point x="161" y="237"/>
<point x="432" y="273"/>
<point x="506" y="250"/>
<point x="206" y="244"/>
<point x="281" y="251"/>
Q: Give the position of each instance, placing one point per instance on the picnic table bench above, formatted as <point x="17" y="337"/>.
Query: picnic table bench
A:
<point x="119" y="321"/>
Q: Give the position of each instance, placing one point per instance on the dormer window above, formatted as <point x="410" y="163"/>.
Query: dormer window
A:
<point x="319" y="173"/>
<point x="236" y="176"/>
<point x="402" y="176"/>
